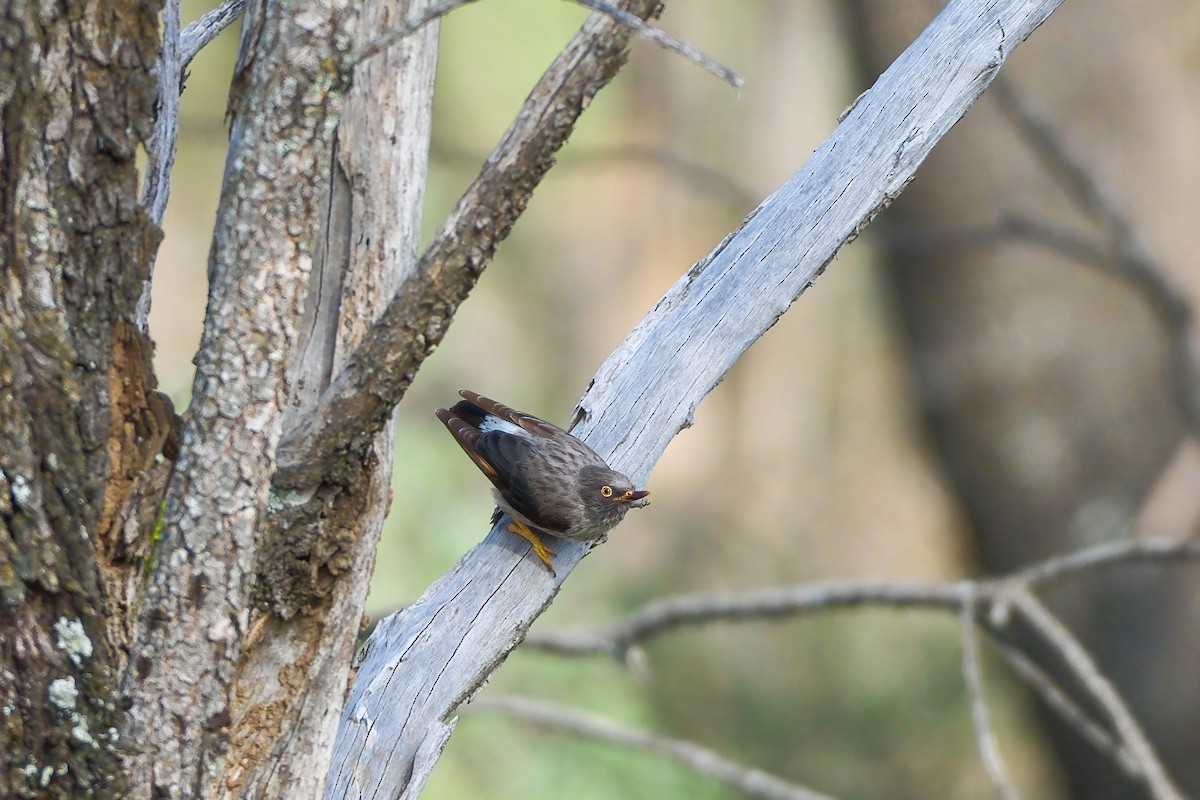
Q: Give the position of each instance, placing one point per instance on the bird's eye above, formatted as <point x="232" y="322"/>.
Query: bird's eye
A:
<point x="606" y="491"/>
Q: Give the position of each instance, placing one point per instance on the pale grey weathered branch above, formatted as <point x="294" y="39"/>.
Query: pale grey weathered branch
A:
<point x="160" y="150"/>
<point x="423" y="663"/>
<point x="199" y="33"/>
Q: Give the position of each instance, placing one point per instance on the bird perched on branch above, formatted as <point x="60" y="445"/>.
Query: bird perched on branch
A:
<point x="543" y="477"/>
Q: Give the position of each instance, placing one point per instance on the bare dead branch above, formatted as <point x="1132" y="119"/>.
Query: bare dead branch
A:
<point x="667" y="42"/>
<point x="705" y="608"/>
<point x="1130" y="258"/>
<point x="1067" y="709"/>
<point x="1107" y="555"/>
<point x="747" y="780"/>
<point x="985" y="735"/>
<point x="361" y="398"/>
<point x="984" y="602"/>
<point x="197" y="35"/>
<point x="1083" y="667"/>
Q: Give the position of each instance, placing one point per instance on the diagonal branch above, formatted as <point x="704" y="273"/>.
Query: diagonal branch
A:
<point x="1083" y="667"/>
<point x="746" y="780"/>
<point x="420" y="665"/>
<point x="197" y="35"/>
<point x="360" y="399"/>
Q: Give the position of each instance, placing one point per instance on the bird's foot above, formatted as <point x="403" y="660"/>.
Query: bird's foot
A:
<point x="543" y="552"/>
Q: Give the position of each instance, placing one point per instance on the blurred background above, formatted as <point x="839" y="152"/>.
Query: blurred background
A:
<point x="948" y="400"/>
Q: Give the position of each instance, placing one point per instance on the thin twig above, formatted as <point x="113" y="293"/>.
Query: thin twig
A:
<point x="1067" y="709"/>
<point x="667" y="42"/>
<point x="705" y="608"/>
<point x="197" y="35"/>
<point x="750" y="781"/>
<point x="985" y="735"/>
<point x="1109" y="554"/>
<point x="1080" y="661"/>
<point x="434" y="10"/>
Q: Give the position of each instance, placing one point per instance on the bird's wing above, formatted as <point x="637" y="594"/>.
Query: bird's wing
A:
<point x="528" y="422"/>
<point x="467" y="436"/>
<point x="524" y="474"/>
<point x="507" y="459"/>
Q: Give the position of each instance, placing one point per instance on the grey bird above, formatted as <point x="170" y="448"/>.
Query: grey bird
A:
<point x="543" y="477"/>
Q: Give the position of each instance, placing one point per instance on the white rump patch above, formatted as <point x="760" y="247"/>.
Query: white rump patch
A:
<point x="493" y="423"/>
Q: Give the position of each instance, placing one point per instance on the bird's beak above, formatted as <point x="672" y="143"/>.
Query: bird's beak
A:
<point x="636" y="496"/>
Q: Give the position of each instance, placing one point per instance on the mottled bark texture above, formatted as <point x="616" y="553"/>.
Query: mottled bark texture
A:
<point x="79" y="422"/>
<point x="316" y="562"/>
<point x="193" y="624"/>
<point x="1045" y="382"/>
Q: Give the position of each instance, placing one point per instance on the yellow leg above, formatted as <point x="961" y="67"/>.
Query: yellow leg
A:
<point x="539" y="547"/>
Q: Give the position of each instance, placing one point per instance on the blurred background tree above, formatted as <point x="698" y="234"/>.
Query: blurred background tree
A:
<point x="924" y="412"/>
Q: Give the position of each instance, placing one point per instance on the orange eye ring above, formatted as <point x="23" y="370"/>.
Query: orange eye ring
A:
<point x="606" y="491"/>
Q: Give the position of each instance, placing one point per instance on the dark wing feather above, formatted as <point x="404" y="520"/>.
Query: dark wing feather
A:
<point x="538" y="427"/>
<point x="467" y="436"/>
<point x="519" y="459"/>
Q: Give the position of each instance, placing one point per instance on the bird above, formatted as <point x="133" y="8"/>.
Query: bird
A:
<point x="543" y="478"/>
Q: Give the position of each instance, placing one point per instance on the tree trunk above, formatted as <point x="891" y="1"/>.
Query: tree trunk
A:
<point x="81" y="427"/>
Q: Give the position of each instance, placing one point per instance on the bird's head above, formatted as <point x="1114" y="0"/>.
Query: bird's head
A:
<point x="608" y="494"/>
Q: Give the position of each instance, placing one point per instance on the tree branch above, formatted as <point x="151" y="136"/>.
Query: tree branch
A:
<point x="1082" y="666"/>
<point x="197" y="35"/>
<point x="706" y="608"/>
<point x="747" y="780"/>
<point x="985" y="736"/>
<point x="361" y="398"/>
<point x="424" y="662"/>
<point x="191" y="630"/>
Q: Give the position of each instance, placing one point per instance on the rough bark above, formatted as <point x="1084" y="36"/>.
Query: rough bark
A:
<point x="425" y="661"/>
<point x="192" y="625"/>
<point x="79" y="421"/>
<point x="316" y="563"/>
